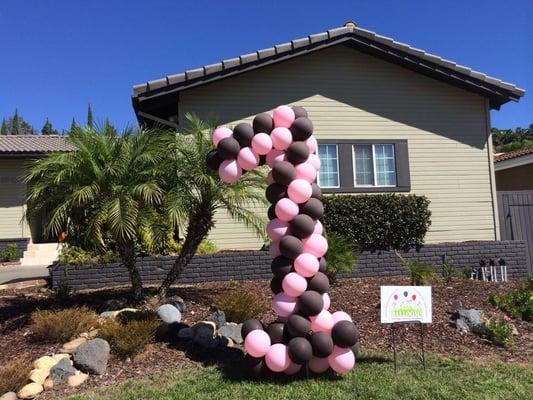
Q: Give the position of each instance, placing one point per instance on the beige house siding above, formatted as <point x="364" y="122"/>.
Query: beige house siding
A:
<point x="12" y="224"/>
<point x="350" y="95"/>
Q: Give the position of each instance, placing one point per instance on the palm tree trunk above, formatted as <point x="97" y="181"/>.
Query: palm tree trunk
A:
<point x="199" y="226"/>
<point x="127" y="252"/>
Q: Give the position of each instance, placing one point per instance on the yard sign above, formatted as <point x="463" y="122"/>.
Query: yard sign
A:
<point x="406" y="304"/>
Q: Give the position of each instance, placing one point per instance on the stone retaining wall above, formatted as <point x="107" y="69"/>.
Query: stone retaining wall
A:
<point x="244" y="265"/>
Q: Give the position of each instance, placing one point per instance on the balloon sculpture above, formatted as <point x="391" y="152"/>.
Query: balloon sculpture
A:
<point x="305" y="333"/>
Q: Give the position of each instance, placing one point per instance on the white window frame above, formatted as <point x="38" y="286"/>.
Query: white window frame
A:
<point x="338" y="170"/>
<point x="373" y="164"/>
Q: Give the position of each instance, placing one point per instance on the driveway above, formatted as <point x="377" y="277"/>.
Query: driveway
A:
<point x="19" y="273"/>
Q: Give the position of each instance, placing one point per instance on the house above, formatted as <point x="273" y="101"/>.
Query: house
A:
<point x="389" y="118"/>
<point x="514" y="170"/>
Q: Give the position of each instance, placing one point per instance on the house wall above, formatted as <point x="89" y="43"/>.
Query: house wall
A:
<point x="350" y="95"/>
<point x="12" y="207"/>
<point x="517" y="178"/>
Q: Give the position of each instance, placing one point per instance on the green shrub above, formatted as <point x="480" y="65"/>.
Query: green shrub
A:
<point x="14" y="373"/>
<point x="378" y="221"/>
<point x="449" y="272"/>
<point x="341" y="256"/>
<point x="241" y="304"/>
<point x="518" y="304"/>
<point x="62" y="325"/>
<point x="10" y="253"/>
<point x="129" y="334"/>
<point x="75" y="255"/>
<point x="498" y="331"/>
<point x="206" y="247"/>
<point x="420" y="273"/>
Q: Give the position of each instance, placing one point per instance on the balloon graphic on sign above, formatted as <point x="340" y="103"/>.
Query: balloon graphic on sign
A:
<point x="306" y="333"/>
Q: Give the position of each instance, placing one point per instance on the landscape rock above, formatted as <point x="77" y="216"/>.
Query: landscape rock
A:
<point x="204" y="334"/>
<point x="30" y="391"/>
<point x="38" y="375"/>
<point x="61" y="371"/>
<point x="169" y="314"/>
<point x="48" y="384"/>
<point x="232" y="331"/>
<point x="469" y="320"/>
<point x="44" y="363"/>
<point x="114" y="313"/>
<point x="77" y="380"/>
<point x="69" y="347"/>
<point x="177" y="302"/>
<point x="186" y="333"/>
<point x="92" y="356"/>
<point x="58" y="357"/>
<point x="218" y="317"/>
<point x="9" y="396"/>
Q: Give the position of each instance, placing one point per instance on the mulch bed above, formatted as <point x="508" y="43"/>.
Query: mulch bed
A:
<point x="358" y="297"/>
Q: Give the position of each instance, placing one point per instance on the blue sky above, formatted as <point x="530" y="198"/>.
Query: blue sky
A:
<point x="59" y="55"/>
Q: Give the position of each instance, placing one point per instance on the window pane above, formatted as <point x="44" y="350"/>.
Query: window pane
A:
<point x="385" y="165"/>
<point x="328" y="176"/>
<point x="364" y="168"/>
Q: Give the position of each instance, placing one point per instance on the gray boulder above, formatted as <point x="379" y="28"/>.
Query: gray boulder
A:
<point x="177" y="302"/>
<point x="61" y="371"/>
<point x="169" y="314"/>
<point x="469" y="320"/>
<point x="232" y="331"/>
<point x="92" y="356"/>
<point x="218" y="317"/>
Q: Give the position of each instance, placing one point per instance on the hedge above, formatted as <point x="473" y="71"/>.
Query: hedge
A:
<point x="380" y="221"/>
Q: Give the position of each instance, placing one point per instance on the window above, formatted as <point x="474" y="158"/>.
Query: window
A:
<point x="374" y="165"/>
<point x="328" y="176"/>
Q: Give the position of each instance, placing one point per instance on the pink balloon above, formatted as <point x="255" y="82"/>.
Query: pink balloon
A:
<point x="314" y="161"/>
<point x="341" y="316"/>
<point x="299" y="191"/>
<point x="276" y="229"/>
<point x="261" y="143"/>
<point x="221" y="133"/>
<point x="283" y="304"/>
<point x="270" y="179"/>
<point x="274" y="156"/>
<point x="342" y="360"/>
<point x="327" y="302"/>
<point x="311" y="144"/>
<point x="247" y="158"/>
<point x="283" y="116"/>
<point x="319" y="228"/>
<point x="293" y="284"/>
<point x="229" y="171"/>
<point x="293" y="368"/>
<point x="273" y="249"/>
<point x="306" y="171"/>
<point x="277" y="359"/>
<point x="306" y="265"/>
<point x="318" y="365"/>
<point x="257" y="343"/>
<point x="315" y="244"/>
<point x="286" y="209"/>
<point x="281" y="138"/>
<point x="323" y="322"/>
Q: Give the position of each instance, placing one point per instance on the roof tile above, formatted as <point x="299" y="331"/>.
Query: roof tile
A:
<point x="34" y="144"/>
<point x="513" y="154"/>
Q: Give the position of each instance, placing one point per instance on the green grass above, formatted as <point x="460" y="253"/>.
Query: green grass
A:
<point x="373" y="378"/>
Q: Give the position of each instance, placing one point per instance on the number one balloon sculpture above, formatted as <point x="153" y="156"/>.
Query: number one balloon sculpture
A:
<point x="305" y="333"/>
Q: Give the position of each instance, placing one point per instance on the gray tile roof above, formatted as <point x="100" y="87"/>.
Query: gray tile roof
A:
<point x="349" y="32"/>
<point x="33" y="144"/>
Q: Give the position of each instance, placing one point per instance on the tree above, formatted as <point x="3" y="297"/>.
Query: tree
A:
<point x="15" y="127"/>
<point x="73" y="125"/>
<point x="106" y="192"/>
<point x="193" y="193"/>
<point x="4" y="130"/>
<point x="508" y="139"/>
<point x="89" y="116"/>
<point x="47" y="128"/>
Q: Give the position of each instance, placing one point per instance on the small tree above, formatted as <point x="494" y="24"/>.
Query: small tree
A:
<point x="89" y="116"/>
<point x="15" y="124"/>
<point x="47" y="128"/>
<point x="4" y="130"/>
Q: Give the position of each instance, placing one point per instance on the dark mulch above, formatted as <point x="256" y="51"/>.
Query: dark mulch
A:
<point x="358" y="297"/>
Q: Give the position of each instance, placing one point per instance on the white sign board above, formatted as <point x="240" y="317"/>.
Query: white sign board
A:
<point x="405" y="304"/>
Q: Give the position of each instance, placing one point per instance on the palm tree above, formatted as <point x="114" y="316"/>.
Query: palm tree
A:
<point x="193" y="193"/>
<point x="106" y="190"/>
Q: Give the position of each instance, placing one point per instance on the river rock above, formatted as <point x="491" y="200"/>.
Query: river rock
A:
<point x="218" y="317"/>
<point x="30" y="391"/>
<point x="169" y="314"/>
<point x="9" y="396"/>
<point x="77" y="380"/>
<point x="58" y="357"/>
<point x="48" y="384"/>
<point x="44" y="363"/>
<point x="38" y="376"/>
<point x="61" y="371"/>
<point x="177" y="302"/>
<point x="469" y="320"/>
<point x="232" y="331"/>
<point x="69" y="347"/>
<point x="92" y="356"/>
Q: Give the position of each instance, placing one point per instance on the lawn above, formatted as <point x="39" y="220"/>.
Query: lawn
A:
<point x="373" y="378"/>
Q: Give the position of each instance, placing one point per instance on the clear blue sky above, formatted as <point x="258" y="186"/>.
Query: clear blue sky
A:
<point x="57" y="56"/>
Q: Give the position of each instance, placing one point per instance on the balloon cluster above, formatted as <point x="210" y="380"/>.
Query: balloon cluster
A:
<point x="305" y="333"/>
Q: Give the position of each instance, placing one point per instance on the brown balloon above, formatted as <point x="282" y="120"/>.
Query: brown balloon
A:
<point x="322" y="265"/>
<point x="297" y="153"/>
<point x="283" y="172"/>
<point x="243" y="133"/>
<point x="319" y="283"/>
<point x="322" y="344"/>
<point x="312" y="207"/>
<point x="298" y="325"/>
<point x="344" y="334"/>
<point x="302" y="226"/>
<point x="213" y="160"/>
<point x="275" y="285"/>
<point x="281" y="266"/>
<point x="254" y="366"/>
<point x="317" y="192"/>
<point x="310" y="303"/>
<point x="290" y="246"/>
<point x="301" y="128"/>
<point x="228" y="148"/>
<point x="299" y="111"/>
<point x="250" y="325"/>
<point x="300" y="350"/>
<point x="275" y="192"/>
<point x="263" y="123"/>
<point x="271" y="212"/>
<point x="277" y="332"/>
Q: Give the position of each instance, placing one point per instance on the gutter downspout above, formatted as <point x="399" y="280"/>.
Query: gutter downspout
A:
<point x="494" y="195"/>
